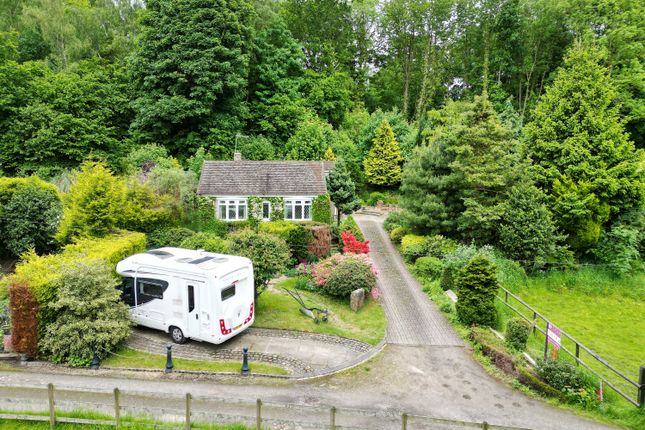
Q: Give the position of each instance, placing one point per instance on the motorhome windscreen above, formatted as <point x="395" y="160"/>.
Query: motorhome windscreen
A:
<point x="228" y="292"/>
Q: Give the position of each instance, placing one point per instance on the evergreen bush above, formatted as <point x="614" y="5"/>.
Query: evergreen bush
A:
<point x="393" y="220"/>
<point x="428" y="266"/>
<point x="412" y="247"/>
<point x="349" y="224"/>
<point x="476" y="290"/>
<point x="207" y="241"/>
<point x="173" y="236"/>
<point x="296" y="235"/>
<point x="397" y="234"/>
<point x="321" y="209"/>
<point x="517" y="333"/>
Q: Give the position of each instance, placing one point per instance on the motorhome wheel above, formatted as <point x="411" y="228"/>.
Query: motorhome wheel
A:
<point x="177" y="335"/>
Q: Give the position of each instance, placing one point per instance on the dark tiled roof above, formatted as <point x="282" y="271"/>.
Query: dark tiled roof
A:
<point x="264" y="178"/>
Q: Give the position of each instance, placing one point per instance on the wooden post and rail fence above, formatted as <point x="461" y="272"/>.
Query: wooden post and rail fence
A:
<point x="537" y="320"/>
<point x="56" y="416"/>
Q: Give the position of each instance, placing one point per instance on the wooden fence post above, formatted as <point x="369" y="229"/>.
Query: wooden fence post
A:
<point x="332" y="418"/>
<point x="546" y="340"/>
<point x="485" y="425"/>
<point x="404" y="421"/>
<point x="641" y="389"/>
<point x="258" y="414"/>
<point x="188" y="405"/>
<point x="117" y="408"/>
<point x="52" y="410"/>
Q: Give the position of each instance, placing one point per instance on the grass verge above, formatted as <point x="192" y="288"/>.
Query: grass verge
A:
<point x="130" y="358"/>
<point x="276" y="309"/>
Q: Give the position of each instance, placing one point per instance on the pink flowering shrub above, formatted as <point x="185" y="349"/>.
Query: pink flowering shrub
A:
<point x="325" y="268"/>
<point x="351" y="245"/>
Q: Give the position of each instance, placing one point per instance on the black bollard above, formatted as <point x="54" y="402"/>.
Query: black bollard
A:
<point x="169" y="359"/>
<point x="245" y="362"/>
<point x="96" y="361"/>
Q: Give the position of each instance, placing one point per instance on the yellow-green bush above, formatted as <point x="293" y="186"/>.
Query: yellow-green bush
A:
<point x="412" y="247"/>
<point x="397" y="234"/>
<point x="42" y="273"/>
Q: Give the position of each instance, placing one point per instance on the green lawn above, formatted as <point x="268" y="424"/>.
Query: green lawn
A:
<point x="130" y="358"/>
<point x="276" y="309"/>
<point x="36" y="425"/>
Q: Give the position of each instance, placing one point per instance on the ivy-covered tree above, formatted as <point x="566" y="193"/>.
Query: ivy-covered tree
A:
<point x="583" y="158"/>
<point x="190" y="73"/>
<point x="342" y="190"/>
<point x="382" y="165"/>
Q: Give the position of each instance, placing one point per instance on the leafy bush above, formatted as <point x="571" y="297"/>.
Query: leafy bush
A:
<point x="354" y="246"/>
<point x="428" y="266"/>
<point x="201" y="217"/>
<point x="349" y="275"/>
<point x="30" y="218"/>
<point x="298" y="237"/>
<point x="570" y="381"/>
<point x="173" y="236"/>
<point x="438" y="246"/>
<point x="386" y="198"/>
<point x="397" y="234"/>
<point x="476" y="289"/>
<point x="269" y="254"/>
<point x="144" y="158"/>
<point x="618" y="249"/>
<point x="306" y="283"/>
<point x="89" y="313"/>
<point x="321" y="243"/>
<point x="349" y="224"/>
<point x="324" y="269"/>
<point x="321" y="209"/>
<point x="413" y="247"/>
<point x="455" y="260"/>
<point x="178" y="184"/>
<point x="24" y="319"/>
<point x="517" y="333"/>
<point x="145" y="211"/>
<point x="206" y="241"/>
<point x="393" y="220"/>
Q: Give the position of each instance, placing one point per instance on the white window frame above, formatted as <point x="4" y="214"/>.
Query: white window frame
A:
<point x="229" y="203"/>
<point x="294" y="202"/>
<point x="267" y="218"/>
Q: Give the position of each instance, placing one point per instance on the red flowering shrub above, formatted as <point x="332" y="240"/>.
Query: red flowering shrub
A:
<point x="353" y="245"/>
<point x="24" y="319"/>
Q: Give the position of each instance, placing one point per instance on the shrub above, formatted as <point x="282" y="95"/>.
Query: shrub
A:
<point x="517" y="333"/>
<point x="447" y="281"/>
<point x="297" y="237"/>
<point x="428" y="266"/>
<point x="455" y="260"/>
<point x="306" y="283"/>
<point x="24" y="319"/>
<point x="173" y="236"/>
<point x="321" y="243"/>
<point x="144" y="158"/>
<point x="397" y="234"/>
<point x="89" y="313"/>
<point x="321" y="209"/>
<point x="349" y="275"/>
<point x="145" y="211"/>
<point x="492" y="347"/>
<point x="393" y="220"/>
<point x="323" y="269"/>
<point x="269" y="254"/>
<point x="349" y="224"/>
<point x="206" y="241"/>
<point x="30" y="218"/>
<point x="354" y="246"/>
<point x="201" y="217"/>
<point x="566" y="378"/>
<point x="413" y="247"/>
<point x="618" y="249"/>
<point x="476" y="288"/>
<point x="438" y="246"/>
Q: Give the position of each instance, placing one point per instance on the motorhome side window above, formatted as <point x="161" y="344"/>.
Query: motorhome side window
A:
<point x="150" y="289"/>
<point x="191" y="298"/>
<point x="228" y="292"/>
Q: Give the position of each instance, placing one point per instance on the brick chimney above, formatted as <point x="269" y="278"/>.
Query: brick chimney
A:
<point x="237" y="156"/>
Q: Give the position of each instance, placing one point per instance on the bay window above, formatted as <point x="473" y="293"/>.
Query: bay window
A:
<point x="231" y="209"/>
<point x="297" y="209"/>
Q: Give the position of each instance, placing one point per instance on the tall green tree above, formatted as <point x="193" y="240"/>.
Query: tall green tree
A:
<point x="342" y="190"/>
<point x="455" y="184"/>
<point x="190" y="73"/>
<point x="382" y="165"/>
<point x="583" y="158"/>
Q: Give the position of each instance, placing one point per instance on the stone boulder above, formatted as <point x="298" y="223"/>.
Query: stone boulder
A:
<point x="357" y="299"/>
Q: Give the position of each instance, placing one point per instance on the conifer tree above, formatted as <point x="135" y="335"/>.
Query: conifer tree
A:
<point x="329" y="155"/>
<point x="583" y="159"/>
<point x="342" y="190"/>
<point x="476" y="288"/>
<point x="382" y="163"/>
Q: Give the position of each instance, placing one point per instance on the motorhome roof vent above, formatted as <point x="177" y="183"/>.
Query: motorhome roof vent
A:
<point x="201" y="260"/>
<point x="184" y="260"/>
<point x="159" y="253"/>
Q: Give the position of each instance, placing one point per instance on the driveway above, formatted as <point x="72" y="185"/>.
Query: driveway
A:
<point x="424" y="369"/>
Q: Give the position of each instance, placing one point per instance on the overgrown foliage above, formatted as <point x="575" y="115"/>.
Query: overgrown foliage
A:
<point x="90" y="315"/>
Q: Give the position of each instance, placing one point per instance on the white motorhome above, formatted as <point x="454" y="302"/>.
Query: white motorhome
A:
<point x="189" y="294"/>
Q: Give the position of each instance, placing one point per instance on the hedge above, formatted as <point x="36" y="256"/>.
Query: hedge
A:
<point x="321" y="209"/>
<point x="42" y="273"/>
<point x="297" y="236"/>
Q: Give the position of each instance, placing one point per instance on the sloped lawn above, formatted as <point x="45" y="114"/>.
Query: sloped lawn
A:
<point x="276" y="309"/>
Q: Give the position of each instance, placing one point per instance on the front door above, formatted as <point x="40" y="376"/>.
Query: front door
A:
<point x="192" y="303"/>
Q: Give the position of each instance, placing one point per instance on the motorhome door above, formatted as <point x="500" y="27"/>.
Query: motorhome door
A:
<point x="198" y="311"/>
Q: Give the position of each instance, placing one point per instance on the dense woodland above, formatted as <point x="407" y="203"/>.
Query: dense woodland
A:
<point x="476" y="109"/>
